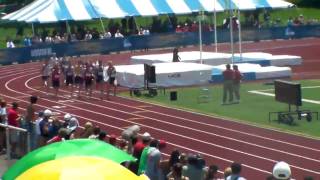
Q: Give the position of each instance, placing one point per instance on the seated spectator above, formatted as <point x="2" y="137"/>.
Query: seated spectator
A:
<point x="88" y="130"/>
<point x="27" y="41"/>
<point x="54" y="127"/>
<point x="195" y="169"/>
<point x="212" y="173"/>
<point x="194" y="27"/>
<point x="185" y="28"/>
<point x="176" y="173"/>
<point x="179" y="29"/>
<point x="146" y="32"/>
<point x="73" y="124"/>
<point x="227" y="172"/>
<point x="66" y="119"/>
<point x="102" y="136"/>
<point x="106" y="35"/>
<point x="113" y="140"/>
<point x="61" y="136"/>
<point x="96" y="132"/>
<point x="88" y="36"/>
<point x="281" y="170"/>
<point x="235" y="172"/>
<point x="118" y="34"/>
<point x="44" y="127"/>
<point x="183" y="159"/>
<point x="10" y="44"/>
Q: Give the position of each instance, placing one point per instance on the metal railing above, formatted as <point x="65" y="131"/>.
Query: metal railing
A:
<point x="9" y="128"/>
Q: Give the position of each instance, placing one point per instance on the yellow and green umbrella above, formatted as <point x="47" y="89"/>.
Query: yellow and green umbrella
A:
<point x="77" y="147"/>
<point x="80" y="168"/>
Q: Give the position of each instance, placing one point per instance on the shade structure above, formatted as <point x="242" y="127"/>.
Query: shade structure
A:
<point x="77" y="147"/>
<point x="80" y="168"/>
<point x="44" y="11"/>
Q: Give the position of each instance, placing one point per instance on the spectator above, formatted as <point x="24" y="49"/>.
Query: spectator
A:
<point x="185" y="28"/>
<point x="183" y="159"/>
<point x="27" y="42"/>
<point x="62" y="133"/>
<point x="14" y="120"/>
<point x="212" y="173"/>
<point x="152" y="167"/>
<point x="179" y="29"/>
<point x="44" y="127"/>
<point x="73" y="124"/>
<point x="96" y="133"/>
<point x="3" y="120"/>
<point x="195" y="169"/>
<point x="281" y="171"/>
<point x="54" y="127"/>
<point x="137" y="151"/>
<point x="176" y="173"/>
<point x="194" y="27"/>
<point x="10" y="44"/>
<point x="118" y="34"/>
<point x="37" y="128"/>
<point x="167" y="165"/>
<point x="227" y="172"/>
<point x="102" y="136"/>
<point x="88" y="130"/>
<point x="30" y="118"/>
<point x="113" y="140"/>
<point x="66" y="119"/>
<point x="236" y="170"/>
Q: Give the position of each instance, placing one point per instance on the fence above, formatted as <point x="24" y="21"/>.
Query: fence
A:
<point x="14" y="136"/>
<point x="105" y="46"/>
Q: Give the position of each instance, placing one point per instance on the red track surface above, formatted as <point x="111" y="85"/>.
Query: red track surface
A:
<point x="220" y="141"/>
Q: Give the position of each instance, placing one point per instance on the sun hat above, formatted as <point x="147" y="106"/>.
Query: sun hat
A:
<point x="47" y="113"/>
<point x="146" y="136"/>
<point x="281" y="170"/>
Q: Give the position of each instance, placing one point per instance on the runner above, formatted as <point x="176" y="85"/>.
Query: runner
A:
<point x="111" y="79"/>
<point x="45" y="72"/>
<point x="78" y="80"/>
<point x="56" y="79"/>
<point x="70" y="77"/>
<point x="99" y="78"/>
<point x="88" y="76"/>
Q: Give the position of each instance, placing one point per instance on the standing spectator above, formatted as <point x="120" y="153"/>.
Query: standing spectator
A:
<point x="44" y="127"/>
<point x="236" y="83"/>
<point x="55" y="77"/>
<point x="37" y="128"/>
<point x="153" y="158"/>
<point x="236" y="170"/>
<point x="111" y="79"/>
<point x="30" y="118"/>
<point x="14" y="120"/>
<point x="228" y="76"/>
<point x="3" y="120"/>
<point x="137" y="151"/>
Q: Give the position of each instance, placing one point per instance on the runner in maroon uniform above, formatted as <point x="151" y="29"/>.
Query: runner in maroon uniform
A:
<point x="56" y="79"/>
<point x="88" y="76"/>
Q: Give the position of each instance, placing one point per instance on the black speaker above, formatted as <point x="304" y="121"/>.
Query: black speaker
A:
<point x="173" y="95"/>
<point x="152" y="74"/>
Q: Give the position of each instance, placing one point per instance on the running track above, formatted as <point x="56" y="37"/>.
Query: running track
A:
<point x="220" y="141"/>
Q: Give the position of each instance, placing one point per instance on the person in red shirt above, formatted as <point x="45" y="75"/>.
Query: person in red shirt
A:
<point x="56" y="79"/>
<point x="13" y="120"/>
<point x="137" y="151"/>
<point x="236" y="82"/>
<point x="228" y="76"/>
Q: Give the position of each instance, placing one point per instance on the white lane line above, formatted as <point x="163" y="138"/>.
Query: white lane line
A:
<point x="169" y="132"/>
<point x="272" y="95"/>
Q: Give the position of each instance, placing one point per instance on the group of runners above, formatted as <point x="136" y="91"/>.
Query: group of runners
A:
<point x="79" y="75"/>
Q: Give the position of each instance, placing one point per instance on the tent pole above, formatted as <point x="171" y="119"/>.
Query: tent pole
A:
<point x="231" y="32"/>
<point x="215" y="27"/>
<point x="32" y="26"/>
<point x="102" y="26"/>
<point x="68" y="27"/>
<point x="240" y="37"/>
<point x="200" y="35"/>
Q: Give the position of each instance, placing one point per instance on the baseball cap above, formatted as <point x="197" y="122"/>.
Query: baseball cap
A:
<point x="47" y="113"/>
<point x="281" y="170"/>
<point x="146" y="136"/>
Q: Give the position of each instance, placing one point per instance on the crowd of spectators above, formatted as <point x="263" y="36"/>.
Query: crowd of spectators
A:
<point x="49" y="128"/>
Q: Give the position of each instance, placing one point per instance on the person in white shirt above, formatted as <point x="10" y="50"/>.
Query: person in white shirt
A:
<point x="10" y="44"/>
<point x="3" y="120"/>
<point x="37" y="128"/>
<point x="118" y="34"/>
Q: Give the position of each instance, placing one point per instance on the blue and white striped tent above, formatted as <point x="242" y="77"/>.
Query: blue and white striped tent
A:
<point x="61" y="10"/>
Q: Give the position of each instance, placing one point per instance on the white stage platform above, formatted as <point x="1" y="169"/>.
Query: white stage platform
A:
<point x="167" y="74"/>
<point x="254" y="72"/>
<point x="210" y="58"/>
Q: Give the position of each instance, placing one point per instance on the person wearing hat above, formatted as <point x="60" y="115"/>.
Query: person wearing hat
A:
<point x="137" y="150"/>
<point x="128" y="133"/>
<point x="44" y="127"/>
<point x="73" y="124"/>
<point x="37" y="128"/>
<point x="281" y="171"/>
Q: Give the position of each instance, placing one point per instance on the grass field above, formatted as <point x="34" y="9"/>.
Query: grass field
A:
<point x="253" y="109"/>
